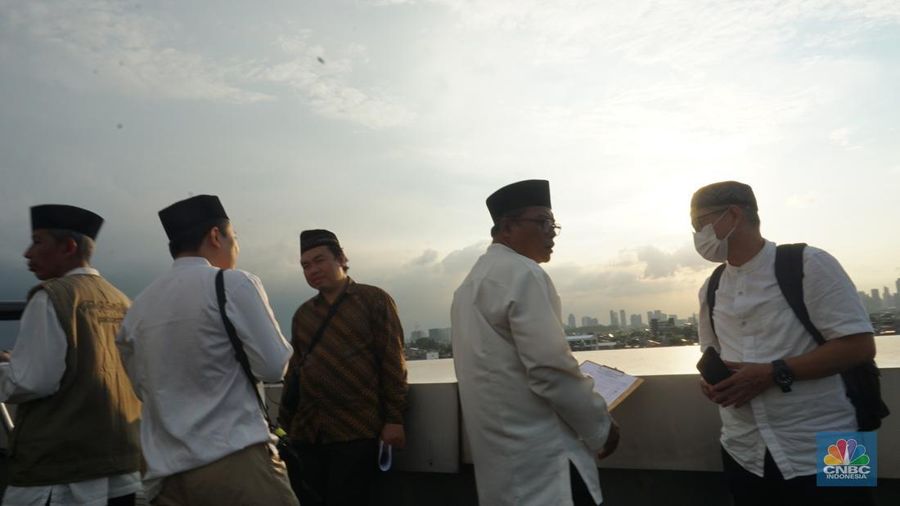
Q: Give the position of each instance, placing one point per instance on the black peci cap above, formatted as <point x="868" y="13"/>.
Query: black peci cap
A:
<point x="190" y="214"/>
<point x="310" y="239"/>
<point x="66" y="217"/>
<point x="531" y="192"/>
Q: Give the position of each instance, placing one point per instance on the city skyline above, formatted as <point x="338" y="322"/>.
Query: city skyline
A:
<point x="882" y="296"/>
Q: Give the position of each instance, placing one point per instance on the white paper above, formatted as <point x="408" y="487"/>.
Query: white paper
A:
<point x="609" y="383"/>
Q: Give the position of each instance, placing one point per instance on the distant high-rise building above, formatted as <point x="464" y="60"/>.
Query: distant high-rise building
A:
<point x="622" y="319"/>
<point x="613" y="319"/>
<point x="439" y="335"/>
<point x="571" y="321"/>
<point x="416" y="334"/>
<point x="876" y="299"/>
<point x="649" y="317"/>
<point x="636" y="321"/>
<point x="585" y="321"/>
<point x="866" y="301"/>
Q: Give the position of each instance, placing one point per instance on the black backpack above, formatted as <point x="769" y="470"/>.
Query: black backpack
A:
<point x="862" y="381"/>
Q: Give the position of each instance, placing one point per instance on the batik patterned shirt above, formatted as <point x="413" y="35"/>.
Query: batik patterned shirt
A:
<point x="354" y="380"/>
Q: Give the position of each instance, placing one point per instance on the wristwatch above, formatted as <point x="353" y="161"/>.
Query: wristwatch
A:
<point x="783" y="375"/>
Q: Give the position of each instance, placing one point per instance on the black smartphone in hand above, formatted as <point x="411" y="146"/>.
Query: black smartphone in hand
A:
<point x="712" y="368"/>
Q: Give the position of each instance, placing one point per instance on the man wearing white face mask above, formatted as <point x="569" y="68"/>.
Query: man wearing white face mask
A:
<point x="785" y="387"/>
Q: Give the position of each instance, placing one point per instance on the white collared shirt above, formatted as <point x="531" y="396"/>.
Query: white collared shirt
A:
<point x="754" y="323"/>
<point x="528" y="409"/>
<point x="198" y="406"/>
<point x="35" y="370"/>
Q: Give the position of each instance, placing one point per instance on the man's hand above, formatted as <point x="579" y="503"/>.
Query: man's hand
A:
<point x="748" y="381"/>
<point x="392" y="434"/>
<point x="4" y="356"/>
<point x="612" y="441"/>
<point x="707" y="390"/>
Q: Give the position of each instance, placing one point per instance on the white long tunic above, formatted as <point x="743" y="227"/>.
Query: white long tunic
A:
<point x="34" y="371"/>
<point x="198" y="405"/>
<point x="527" y="408"/>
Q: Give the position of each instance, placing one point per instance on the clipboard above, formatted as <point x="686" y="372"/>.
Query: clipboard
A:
<point x="612" y="384"/>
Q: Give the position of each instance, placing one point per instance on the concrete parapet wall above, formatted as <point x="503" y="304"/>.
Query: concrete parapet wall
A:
<point x="667" y="424"/>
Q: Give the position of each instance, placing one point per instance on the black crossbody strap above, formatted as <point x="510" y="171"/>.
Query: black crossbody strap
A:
<point x="711" y="288"/>
<point x="239" y="352"/>
<point x="323" y="326"/>
<point x="290" y="394"/>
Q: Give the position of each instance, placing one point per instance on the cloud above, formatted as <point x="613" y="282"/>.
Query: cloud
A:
<point x="594" y="289"/>
<point x="801" y="200"/>
<point x="109" y="45"/>
<point x="841" y="137"/>
<point x="428" y="257"/>
<point x="322" y="83"/>
<point x="423" y="286"/>
<point x="662" y="264"/>
<point x="642" y="279"/>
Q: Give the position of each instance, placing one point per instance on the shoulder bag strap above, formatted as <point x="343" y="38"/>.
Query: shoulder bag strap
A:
<point x="323" y="326"/>
<point x="239" y="352"/>
<point x="711" y="288"/>
<point x="290" y="393"/>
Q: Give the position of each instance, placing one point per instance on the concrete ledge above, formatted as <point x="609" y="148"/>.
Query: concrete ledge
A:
<point x="667" y="424"/>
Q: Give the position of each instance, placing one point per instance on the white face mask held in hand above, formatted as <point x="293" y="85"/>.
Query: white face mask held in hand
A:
<point x="708" y="245"/>
<point x="385" y="456"/>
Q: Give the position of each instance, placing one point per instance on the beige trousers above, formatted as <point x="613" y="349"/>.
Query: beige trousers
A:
<point x="247" y="477"/>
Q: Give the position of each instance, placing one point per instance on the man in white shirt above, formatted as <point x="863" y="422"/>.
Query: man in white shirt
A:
<point x="203" y="433"/>
<point x="534" y="422"/>
<point x="76" y="435"/>
<point x="785" y="387"/>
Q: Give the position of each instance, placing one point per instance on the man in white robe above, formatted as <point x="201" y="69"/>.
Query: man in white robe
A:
<point x="534" y="422"/>
<point x="203" y="433"/>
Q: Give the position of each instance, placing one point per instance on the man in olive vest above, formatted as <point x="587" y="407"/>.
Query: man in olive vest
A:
<point x="76" y="438"/>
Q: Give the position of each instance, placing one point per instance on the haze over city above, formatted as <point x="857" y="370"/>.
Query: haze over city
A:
<point x="390" y="121"/>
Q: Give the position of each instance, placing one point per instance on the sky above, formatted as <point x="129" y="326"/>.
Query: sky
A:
<point x="390" y="121"/>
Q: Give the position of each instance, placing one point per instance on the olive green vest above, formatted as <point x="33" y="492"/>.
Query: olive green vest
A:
<point x="89" y="428"/>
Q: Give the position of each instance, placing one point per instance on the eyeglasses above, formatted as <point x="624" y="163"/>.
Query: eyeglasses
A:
<point x="695" y="222"/>
<point x="547" y="224"/>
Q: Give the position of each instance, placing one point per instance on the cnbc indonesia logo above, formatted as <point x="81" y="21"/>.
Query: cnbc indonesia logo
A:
<point x="846" y="460"/>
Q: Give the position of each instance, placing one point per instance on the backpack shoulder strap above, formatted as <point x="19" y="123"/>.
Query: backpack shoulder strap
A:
<point x="711" y="288"/>
<point x="789" y="273"/>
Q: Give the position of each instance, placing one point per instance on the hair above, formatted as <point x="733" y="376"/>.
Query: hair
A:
<point x="84" y="243"/>
<point x="338" y="253"/>
<point x="191" y="240"/>
<point x="751" y="214"/>
<point x="506" y="218"/>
